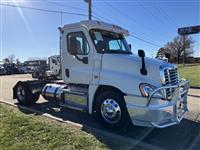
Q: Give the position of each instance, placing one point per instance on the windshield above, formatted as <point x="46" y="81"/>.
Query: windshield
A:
<point x="109" y="42"/>
<point x="33" y="64"/>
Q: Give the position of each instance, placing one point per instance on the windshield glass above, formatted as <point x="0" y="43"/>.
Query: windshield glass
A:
<point x="109" y="42"/>
<point x="33" y="64"/>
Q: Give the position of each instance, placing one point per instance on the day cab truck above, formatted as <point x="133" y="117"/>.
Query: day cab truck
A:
<point x="53" y="71"/>
<point x="37" y="64"/>
<point x="54" y="67"/>
<point x="101" y="75"/>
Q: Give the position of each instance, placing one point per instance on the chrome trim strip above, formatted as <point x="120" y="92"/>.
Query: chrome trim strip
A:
<point x="164" y="67"/>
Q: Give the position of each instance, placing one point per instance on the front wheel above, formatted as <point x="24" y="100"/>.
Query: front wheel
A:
<point x="111" y="110"/>
<point x="25" y="96"/>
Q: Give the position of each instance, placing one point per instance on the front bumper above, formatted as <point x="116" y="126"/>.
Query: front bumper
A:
<point x="160" y="113"/>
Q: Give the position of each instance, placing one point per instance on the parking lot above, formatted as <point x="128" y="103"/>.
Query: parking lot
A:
<point x="183" y="136"/>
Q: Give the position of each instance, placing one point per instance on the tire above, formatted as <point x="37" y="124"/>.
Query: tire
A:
<point x="35" y="74"/>
<point x="25" y="96"/>
<point x="117" y="103"/>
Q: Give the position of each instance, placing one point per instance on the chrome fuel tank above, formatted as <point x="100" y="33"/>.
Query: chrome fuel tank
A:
<point x="53" y="91"/>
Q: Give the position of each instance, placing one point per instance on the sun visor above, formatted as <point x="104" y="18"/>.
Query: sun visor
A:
<point x="104" y="26"/>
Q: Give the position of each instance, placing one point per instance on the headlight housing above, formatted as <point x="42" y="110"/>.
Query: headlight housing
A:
<point x="146" y="90"/>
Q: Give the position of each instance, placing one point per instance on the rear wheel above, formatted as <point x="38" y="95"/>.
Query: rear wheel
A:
<point x="25" y="96"/>
<point x="35" y="74"/>
<point x="111" y="110"/>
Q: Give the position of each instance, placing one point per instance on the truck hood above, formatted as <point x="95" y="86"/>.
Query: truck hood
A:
<point x="131" y="65"/>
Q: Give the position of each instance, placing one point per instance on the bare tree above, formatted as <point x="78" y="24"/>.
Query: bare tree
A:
<point x="6" y="60"/>
<point x="176" y="48"/>
<point x="17" y="61"/>
<point x="11" y="58"/>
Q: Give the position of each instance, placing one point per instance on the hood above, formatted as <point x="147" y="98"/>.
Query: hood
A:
<point x="131" y="64"/>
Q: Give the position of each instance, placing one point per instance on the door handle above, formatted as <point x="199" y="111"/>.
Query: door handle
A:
<point x="67" y="73"/>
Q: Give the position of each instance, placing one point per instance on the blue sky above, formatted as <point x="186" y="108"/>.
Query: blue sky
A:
<point x="31" y="33"/>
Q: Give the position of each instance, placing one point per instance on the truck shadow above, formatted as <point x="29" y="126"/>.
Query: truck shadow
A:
<point x="183" y="136"/>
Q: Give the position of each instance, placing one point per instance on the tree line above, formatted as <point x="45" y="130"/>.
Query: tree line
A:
<point x="176" y="49"/>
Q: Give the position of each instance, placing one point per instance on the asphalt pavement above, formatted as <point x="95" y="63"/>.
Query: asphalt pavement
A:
<point x="186" y="135"/>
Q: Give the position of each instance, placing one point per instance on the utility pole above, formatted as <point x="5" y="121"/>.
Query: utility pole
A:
<point x="61" y="17"/>
<point x="178" y="56"/>
<point x="90" y="9"/>
<point x="183" y="49"/>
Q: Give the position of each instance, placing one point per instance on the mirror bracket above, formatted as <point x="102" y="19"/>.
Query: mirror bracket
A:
<point x="143" y="70"/>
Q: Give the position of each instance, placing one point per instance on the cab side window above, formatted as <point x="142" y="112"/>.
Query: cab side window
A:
<point x="79" y="42"/>
<point x="54" y="61"/>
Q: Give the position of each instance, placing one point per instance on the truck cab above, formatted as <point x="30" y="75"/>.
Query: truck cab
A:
<point x="54" y="69"/>
<point x="101" y="75"/>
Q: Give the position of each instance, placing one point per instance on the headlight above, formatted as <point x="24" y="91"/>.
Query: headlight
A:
<point x="146" y="90"/>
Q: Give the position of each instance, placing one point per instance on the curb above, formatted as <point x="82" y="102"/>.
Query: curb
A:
<point x="41" y="113"/>
<point x="194" y="87"/>
<point x="130" y="143"/>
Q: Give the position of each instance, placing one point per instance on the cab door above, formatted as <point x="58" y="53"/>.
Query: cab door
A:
<point x="77" y="68"/>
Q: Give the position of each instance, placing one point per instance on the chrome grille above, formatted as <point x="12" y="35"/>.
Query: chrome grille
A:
<point x="171" y="78"/>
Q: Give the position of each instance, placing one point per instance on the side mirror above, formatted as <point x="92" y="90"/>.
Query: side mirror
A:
<point x="130" y="46"/>
<point x="73" y="46"/>
<point x="167" y="55"/>
<point x="85" y="60"/>
<point x="143" y="70"/>
<point x="141" y="53"/>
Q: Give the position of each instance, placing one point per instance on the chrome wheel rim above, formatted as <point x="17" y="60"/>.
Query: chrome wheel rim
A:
<point x="20" y="93"/>
<point x="111" y="111"/>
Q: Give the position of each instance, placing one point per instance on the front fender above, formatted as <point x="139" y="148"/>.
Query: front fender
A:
<point x="126" y="82"/>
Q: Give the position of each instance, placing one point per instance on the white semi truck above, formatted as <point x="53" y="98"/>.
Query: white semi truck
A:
<point x="53" y="71"/>
<point x="101" y="75"/>
<point x="54" y="67"/>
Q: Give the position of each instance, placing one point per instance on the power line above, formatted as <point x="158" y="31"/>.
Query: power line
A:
<point x="119" y="10"/>
<point x="96" y="16"/>
<point x="79" y="14"/>
<point x="136" y="35"/>
<point x="141" y="39"/>
<point x="45" y="10"/>
<point x="67" y="6"/>
<point x="154" y="15"/>
<point x="126" y="15"/>
<point x="145" y="41"/>
<point x="166" y="18"/>
<point x="165" y="13"/>
<point x="49" y="11"/>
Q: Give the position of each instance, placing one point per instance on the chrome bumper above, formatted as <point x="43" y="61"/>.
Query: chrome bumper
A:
<point x="154" y="112"/>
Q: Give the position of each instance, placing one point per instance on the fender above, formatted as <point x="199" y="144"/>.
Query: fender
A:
<point x="126" y="83"/>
